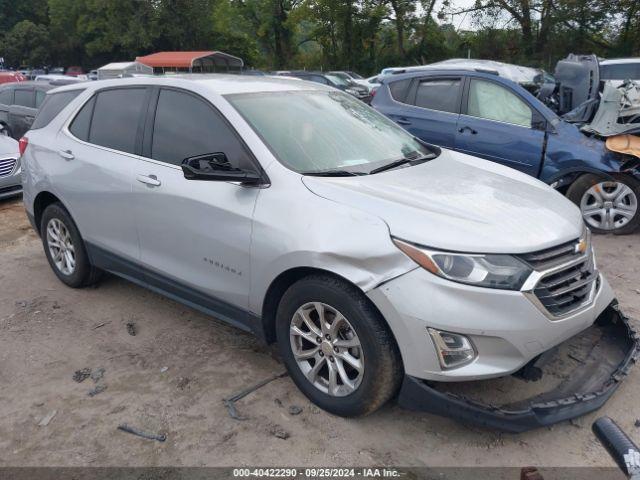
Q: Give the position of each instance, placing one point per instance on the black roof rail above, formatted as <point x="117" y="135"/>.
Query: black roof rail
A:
<point x="485" y="70"/>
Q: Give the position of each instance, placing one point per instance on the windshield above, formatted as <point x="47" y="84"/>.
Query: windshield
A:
<point x="320" y="131"/>
<point x="341" y="82"/>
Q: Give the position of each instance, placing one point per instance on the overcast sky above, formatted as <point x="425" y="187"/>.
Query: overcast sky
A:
<point x="460" y="22"/>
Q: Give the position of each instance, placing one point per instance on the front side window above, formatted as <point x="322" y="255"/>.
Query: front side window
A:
<point x="116" y="116"/>
<point x="494" y="102"/>
<point x="186" y="126"/>
<point x="24" y="98"/>
<point x="439" y="94"/>
<point x="319" y="131"/>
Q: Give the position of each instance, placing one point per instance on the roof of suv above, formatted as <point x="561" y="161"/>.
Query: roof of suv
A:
<point x="222" y="84"/>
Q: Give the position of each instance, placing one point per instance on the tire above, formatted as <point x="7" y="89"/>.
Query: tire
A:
<point x="378" y="352"/>
<point x="57" y="223"/>
<point x="593" y="194"/>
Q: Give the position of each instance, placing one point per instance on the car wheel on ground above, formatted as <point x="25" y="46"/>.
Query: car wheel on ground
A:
<point x="336" y="346"/>
<point x="607" y="205"/>
<point x="65" y="248"/>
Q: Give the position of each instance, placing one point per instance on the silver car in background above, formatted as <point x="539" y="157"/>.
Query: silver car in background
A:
<point x="10" y="172"/>
<point x="382" y="266"/>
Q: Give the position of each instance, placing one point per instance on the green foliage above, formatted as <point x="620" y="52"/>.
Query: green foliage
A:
<point x="26" y="44"/>
<point x="361" y="35"/>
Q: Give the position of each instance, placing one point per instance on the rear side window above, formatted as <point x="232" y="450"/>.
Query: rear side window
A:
<point x="81" y="124"/>
<point x="116" y="116"/>
<point x="6" y="96"/>
<point x="52" y="106"/>
<point x="186" y="126"/>
<point x="399" y="89"/>
<point x="439" y="94"/>
<point x="24" y="98"/>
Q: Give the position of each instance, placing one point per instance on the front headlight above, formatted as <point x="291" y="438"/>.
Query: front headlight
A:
<point x="492" y="271"/>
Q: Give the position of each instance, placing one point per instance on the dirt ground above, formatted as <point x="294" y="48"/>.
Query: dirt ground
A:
<point x="172" y="375"/>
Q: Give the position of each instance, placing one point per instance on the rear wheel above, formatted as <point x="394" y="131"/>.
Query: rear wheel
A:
<point x="607" y="206"/>
<point x="65" y="248"/>
<point x="337" y="348"/>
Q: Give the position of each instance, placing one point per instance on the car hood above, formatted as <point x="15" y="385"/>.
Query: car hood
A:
<point x="8" y="147"/>
<point x="460" y="203"/>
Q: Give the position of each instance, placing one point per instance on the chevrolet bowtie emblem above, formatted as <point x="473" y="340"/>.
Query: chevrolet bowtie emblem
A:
<point x="581" y="246"/>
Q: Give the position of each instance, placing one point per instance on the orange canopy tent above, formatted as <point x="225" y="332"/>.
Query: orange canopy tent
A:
<point x="202" y="61"/>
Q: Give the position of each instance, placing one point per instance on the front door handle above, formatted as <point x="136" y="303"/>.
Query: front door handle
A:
<point x="466" y="127"/>
<point x="151" y="180"/>
<point x="66" y="154"/>
<point x="403" y="121"/>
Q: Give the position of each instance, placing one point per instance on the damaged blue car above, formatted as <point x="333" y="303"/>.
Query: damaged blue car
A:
<point x="483" y="113"/>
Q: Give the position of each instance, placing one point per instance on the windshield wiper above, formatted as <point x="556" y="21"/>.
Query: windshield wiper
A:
<point x="334" y="173"/>
<point x="400" y="162"/>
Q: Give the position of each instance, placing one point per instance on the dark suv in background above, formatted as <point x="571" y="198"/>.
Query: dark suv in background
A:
<point x="347" y="86"/>
<point x="19" y="103"/>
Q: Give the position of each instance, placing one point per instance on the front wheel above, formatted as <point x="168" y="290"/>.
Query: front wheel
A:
<point x="607" y="206"/>
<point x="336" y="346"/>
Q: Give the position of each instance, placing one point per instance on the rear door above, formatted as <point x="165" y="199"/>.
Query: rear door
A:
<point x="499" y="125"/>
<point x="23" y="111"/>
<point x="194" y="235"/>
<point x="95" y="160"/>
<point x="429" y="108"/>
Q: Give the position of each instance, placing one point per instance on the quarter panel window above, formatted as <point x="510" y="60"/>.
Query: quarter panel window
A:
<point x="494" y="102"/>
<point x="116" y="117"/>
<point x="440" y="94"/>
<point x="80" y="125"/>
<point x="186" y="126"/>
<point x="399" y="89"/>
<point x="52" y="106"/>
<point x="24" y="98"/>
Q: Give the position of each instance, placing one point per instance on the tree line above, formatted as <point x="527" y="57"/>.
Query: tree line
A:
<point x="360" y="35"/>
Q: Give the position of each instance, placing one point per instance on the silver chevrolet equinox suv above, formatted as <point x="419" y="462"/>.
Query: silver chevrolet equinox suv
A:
<point x="382" y="266"/>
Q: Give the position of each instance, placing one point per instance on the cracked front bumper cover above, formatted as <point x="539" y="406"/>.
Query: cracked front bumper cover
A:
<point x="584" y="389"/>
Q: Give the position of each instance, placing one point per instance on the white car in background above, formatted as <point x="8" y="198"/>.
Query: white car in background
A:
<point x="10" y="177"/>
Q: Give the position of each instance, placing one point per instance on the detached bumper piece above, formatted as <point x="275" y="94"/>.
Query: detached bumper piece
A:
<point x="573" y="379"/>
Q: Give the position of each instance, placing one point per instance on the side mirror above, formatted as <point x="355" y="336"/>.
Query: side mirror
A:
<point x="538" y="122"/>
<point x="216" y="167"/>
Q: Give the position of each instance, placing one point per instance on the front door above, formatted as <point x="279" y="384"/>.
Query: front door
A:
<point x="498" y="125"/>
<point x="194" y="235"/>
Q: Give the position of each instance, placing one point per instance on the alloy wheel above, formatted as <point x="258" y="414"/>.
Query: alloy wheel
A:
<point x="609" y="205"/>
<point x="327" y="349"/>
<point x="61" y="246"/>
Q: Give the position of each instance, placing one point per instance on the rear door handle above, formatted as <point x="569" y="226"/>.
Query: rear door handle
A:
<point x="471" y="130"/>
<point x="151" y="180"/>
<point x="403" y="121"/>
<point x="66" y="154"/>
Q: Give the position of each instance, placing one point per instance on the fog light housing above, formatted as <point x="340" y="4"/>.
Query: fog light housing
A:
<point x="454" y="350"/>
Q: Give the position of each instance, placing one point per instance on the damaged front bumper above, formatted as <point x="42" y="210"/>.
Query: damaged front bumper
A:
<point x="602" y="356"/>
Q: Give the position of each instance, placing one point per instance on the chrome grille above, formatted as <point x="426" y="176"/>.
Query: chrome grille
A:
<point x="6" y="166"/>
<point x="567" y="277"/>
